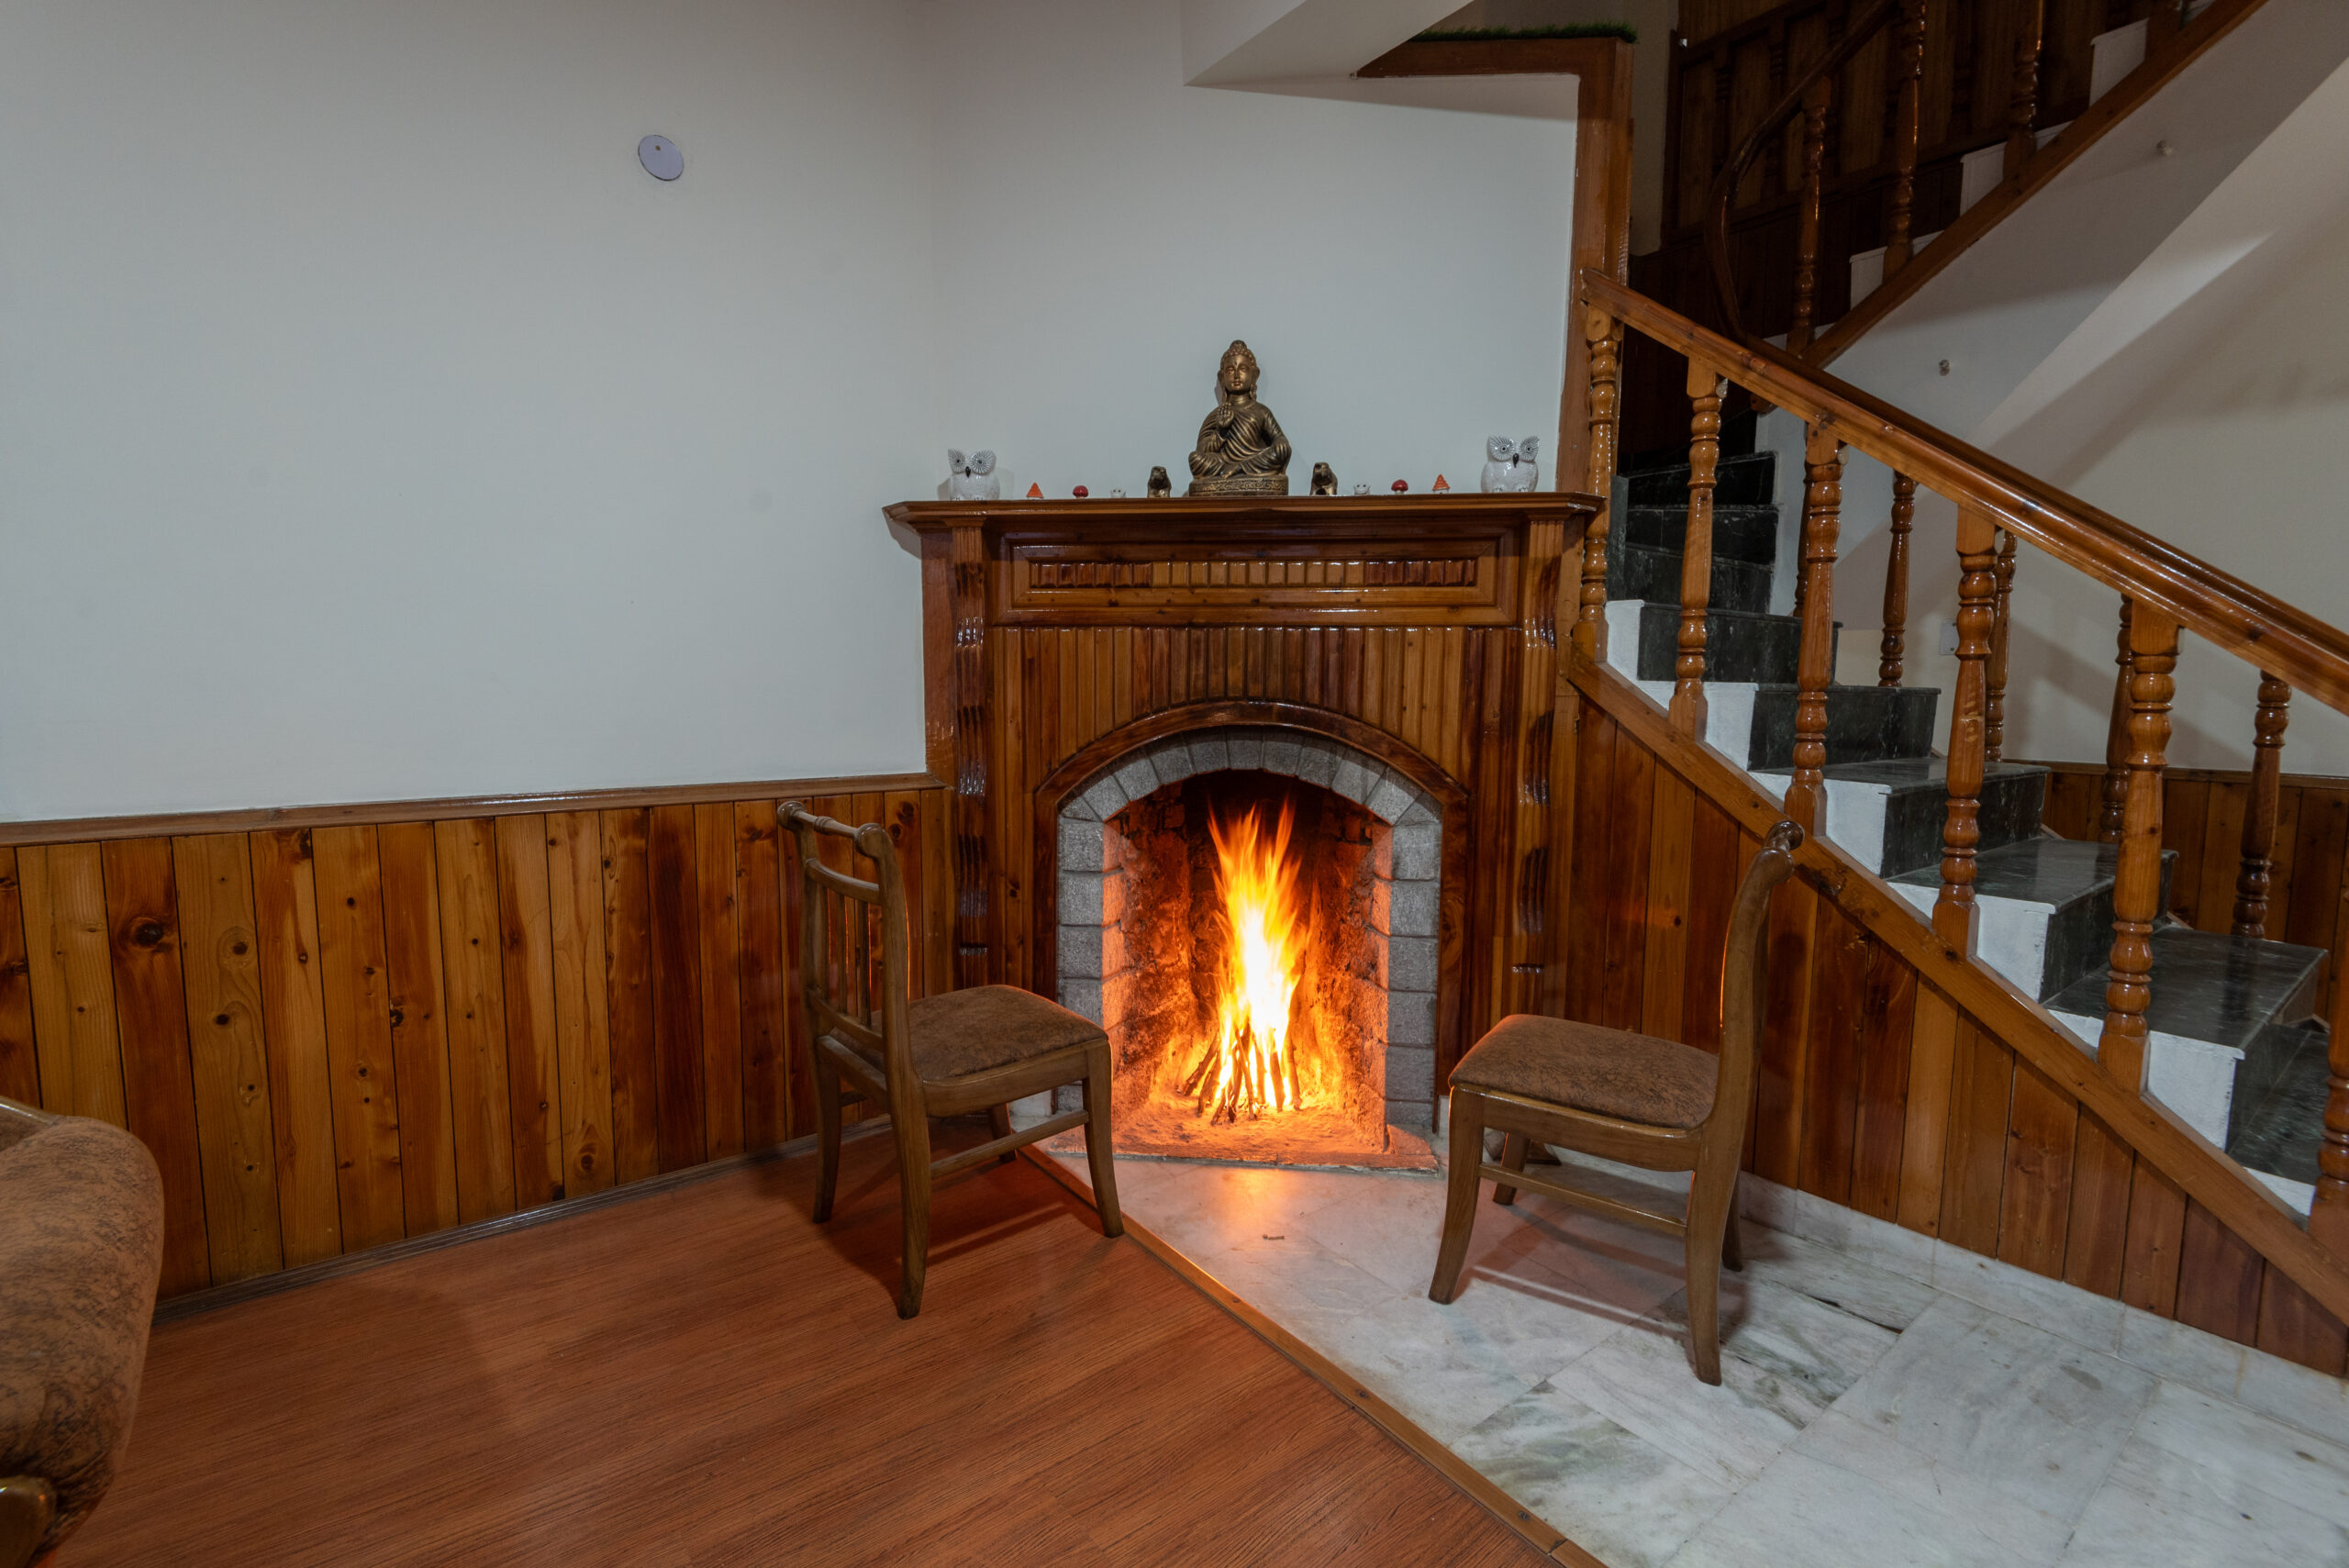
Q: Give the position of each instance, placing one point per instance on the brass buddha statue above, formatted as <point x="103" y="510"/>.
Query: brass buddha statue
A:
<point x="1241" y="450"/>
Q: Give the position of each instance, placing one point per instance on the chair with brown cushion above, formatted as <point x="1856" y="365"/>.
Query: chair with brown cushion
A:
<point x="80" y="1246"/>
<point x="945" y="1055"/>
<point x="1632" y="1098"/>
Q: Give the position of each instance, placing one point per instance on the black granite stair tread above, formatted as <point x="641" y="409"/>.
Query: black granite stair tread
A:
<point x="1916" y="804"/>
<point x="1863" y="723"/>
<point x="1898" y="772"/>
<point x="1740" y="533"/>
<point x="2039" y="871"/>
<point x="1653" y="576"/>
<point x="2211" y="987"/>
<point x="1747" y="480"/>
<point x="1740" y="645"/>
<point x="2280" y="1130"/>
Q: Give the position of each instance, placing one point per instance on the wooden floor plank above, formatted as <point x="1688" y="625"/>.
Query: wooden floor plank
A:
<point x="705" y="1376"/>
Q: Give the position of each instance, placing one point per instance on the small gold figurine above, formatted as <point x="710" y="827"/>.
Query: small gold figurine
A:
<point x="1241" y="450"/>
<point x="1160" y="485"/>
<point x="1325" y="480"/>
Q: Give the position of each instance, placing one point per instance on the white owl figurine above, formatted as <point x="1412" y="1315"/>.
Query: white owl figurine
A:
<point x="972" y="478"/>
<point x="1511" y="465"/>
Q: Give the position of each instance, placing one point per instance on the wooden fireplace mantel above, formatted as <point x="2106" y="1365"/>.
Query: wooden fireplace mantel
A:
<point x="1419" y="630"/>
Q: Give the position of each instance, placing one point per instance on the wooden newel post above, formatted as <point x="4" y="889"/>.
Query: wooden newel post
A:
<point x="1895" y="583"/>
<point x="1704" y="391"/>
<point x="2137" y="885"/>
<point x="1994" y="723"/>
<point x="2329" y="1220"/>
<point x="2116" y="744"/>
<point x="2253" y="881"/>
<point x="1606" y="341"/>
<point x="1822" y="502"/>
<point x="1954" y="914"/>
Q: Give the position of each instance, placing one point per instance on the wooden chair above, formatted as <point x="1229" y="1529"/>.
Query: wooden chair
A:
<point x="946" y="1055"/>
<point x="1647" y="1102"/>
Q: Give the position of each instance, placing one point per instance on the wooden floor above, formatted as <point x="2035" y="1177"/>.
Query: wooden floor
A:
<point x="703" y="1376"/>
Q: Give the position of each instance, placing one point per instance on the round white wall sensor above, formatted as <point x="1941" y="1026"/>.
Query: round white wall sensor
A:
<point x="660" y="158"/>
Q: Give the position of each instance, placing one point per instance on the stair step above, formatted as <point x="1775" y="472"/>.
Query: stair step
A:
<point x="1641" y="571"/>
<point x="1748" y="481"/>
<point x="1865" y="724"/>
<point x="2045" y="904"/>
<point x="2279" y="1127"/>
<point x="1888" y="815"/>
<point x="1739" y="645"/>
<point x="1740" y="533"/>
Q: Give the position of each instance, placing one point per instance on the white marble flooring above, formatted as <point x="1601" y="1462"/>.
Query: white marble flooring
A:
<point x="1884" y="1400"/>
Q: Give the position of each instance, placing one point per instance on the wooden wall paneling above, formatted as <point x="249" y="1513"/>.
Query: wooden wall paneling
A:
<point x="293" y="1028"/>
<point x="627" y="991"/>
<point x="2190" y="799"/>
<point x="417" y="993"/>
<point x="1924" y="1138"/>
<point x="1786" y="1034"/>
<point x="1982" y="1080"/>
<point x="2293" y="1326"/>
<point x="2148" y="1263"/>
<point x="2219" y="1278"/>
<point x="2221" y="858"/>
<point x="2103" y="1172"/>
<point x="1014" y="832"/>
<point x="481" y="1094"/>
<point x="2072" y="803"/>
<point x="676" y="986"/>
<point x="69" y="969"/>
<point x="1664" y="980"/>
<point x="1887" y="1029"/>
<point x="19" y="1046"/>
<point x="1632" y="790"/>
<point x="2280" y="872"/>
<point x="2035" y="1203"/>
<point x="1718" y="857"/>
<point x="364" y="1084"/>
<point x="1831" y="1087"/>
<point x="2319" y="843"/>
<point x="766" y="1041"/>
<point x="533" y="1049"/>
<point x="721" y="980"/>
<point x="1565" y="760"/>
<point x="582" y="1001"/>
<point x="220" y="960"/>
<point x="158" y="1084"/>
<point x="798" y="1066"/>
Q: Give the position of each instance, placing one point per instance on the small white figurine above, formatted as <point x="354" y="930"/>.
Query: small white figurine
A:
<point x="1512" y="466"/>
<point x="972" y="478"/>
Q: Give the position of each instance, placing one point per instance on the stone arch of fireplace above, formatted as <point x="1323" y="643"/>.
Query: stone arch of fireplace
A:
<point x="1417" y="813"/>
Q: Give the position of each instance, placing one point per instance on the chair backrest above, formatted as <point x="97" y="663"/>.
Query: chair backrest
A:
<point x="1744" y="983"/>
<point x="852" y="941"/>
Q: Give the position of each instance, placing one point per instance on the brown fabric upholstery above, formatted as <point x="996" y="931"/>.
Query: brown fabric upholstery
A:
<point x="81" y="1245"/>
<point x="985" y="1027"/>
<point x="1634" y="1078"/>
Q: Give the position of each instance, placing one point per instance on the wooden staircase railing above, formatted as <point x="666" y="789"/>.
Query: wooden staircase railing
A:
<point x="2163" y="590"/>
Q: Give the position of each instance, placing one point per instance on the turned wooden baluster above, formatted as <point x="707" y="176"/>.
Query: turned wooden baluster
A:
<point x="1814" y="160"/>
<point x="2259" y="821"/>
<point x="1994" y="708"/>
<point x="1895" y="583"/>
<point x="1823" y="504"/>
<point x="2329" y="1220"/>
<point x="1955" y="916"/>
<point x="1704" y="391"/>
<point x="2022" y="108"/>
<point x="2116" y="744"/>
<point x="2137" y="885"/>
<point x="1606" y="340"/>
<point x="1909" y="72"/>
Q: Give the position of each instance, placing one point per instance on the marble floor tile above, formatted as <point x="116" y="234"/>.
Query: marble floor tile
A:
<point x="2254" y="1451"/>
<point x="2080" y="1316"/>
<point x="2033" y="1417"/>
<point x="1828" y="1275"/>
<point x="2159" y="1509"/>
<point x="1614" y="1493"/>
<point x="1809" y="1513"/>
<point x="1978" y="1506"/>
<point x="1446" y="1382"/>
<point x="2297" y="1395"/>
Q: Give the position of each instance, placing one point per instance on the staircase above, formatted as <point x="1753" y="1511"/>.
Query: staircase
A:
<point x="2235" y="1047"/>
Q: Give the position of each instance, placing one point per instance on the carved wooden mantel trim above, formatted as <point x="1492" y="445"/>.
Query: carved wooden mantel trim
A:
<point x="1424" y="627"/>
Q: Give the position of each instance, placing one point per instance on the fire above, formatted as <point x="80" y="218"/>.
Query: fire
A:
<point x="1248" y="1067"/>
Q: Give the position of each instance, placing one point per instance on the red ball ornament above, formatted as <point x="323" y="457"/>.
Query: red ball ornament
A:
<point x="1080" y="491"/>
<point x="1400" y="486"/>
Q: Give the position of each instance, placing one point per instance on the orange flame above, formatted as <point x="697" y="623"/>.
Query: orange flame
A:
<point x="1248" y="1067"/>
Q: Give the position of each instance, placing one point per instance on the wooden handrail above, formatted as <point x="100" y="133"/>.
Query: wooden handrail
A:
<point x="2304" y="651"/>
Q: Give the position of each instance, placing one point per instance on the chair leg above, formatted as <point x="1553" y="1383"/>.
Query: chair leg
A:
<point x="828" y="1136"/>
<point x="1732" y="1242"/>
<point x="1708" y="1240"/>
<point x="1513" y="1148"/>
<point x="999" y="1123"/>
<point x="1460" y="1192"/>
<point x="913" y="1200"/>
<point x="1098" y="1152"/>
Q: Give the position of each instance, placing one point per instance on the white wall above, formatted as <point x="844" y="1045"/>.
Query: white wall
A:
<point x="372" y="427"/>
<point x="1104" y="231"/>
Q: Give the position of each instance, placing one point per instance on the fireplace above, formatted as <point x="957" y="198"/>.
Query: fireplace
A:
<point x="1159" y="887"/>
